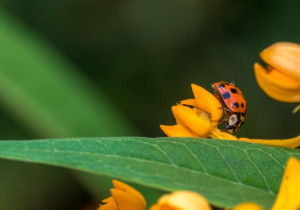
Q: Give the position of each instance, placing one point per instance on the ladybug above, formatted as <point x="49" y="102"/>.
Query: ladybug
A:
<point x="233" y="103"/>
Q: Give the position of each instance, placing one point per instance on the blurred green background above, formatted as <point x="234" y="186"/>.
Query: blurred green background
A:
<point x="112" y="68"/>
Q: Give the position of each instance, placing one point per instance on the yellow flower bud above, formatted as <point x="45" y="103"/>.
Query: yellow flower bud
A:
<point x="281" y="79"/>
<point x="248" y="206"/>
<point x="182" y="200"/>
<point x="285" y="57"/>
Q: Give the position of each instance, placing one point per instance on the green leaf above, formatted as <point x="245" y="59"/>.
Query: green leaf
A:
<point x="225" y="172"/>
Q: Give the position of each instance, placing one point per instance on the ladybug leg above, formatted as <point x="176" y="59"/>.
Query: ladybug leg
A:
<point x="227" y="113"/>
<point x="225" y="109"/>
<point x="224" y="120"/>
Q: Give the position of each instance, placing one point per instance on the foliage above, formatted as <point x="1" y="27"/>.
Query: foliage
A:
<point x="225" y="172"/>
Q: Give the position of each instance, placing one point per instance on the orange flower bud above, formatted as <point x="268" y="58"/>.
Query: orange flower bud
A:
<point x="281" y="79"/>
<point x="248" y="206"/>
<point x="182" y="200"/>
<point x="285" y="57"/>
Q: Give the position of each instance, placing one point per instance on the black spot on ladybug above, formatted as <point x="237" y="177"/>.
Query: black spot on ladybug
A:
<point x="233" y="90"/>
<point x="221" y="85"/>
<point x="226" y="83"/>
<point x="226" y="95"/>
<point x="236" y="104"/>
<point x="242" y="105"/>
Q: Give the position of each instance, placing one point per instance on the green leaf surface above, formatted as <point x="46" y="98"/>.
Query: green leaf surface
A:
<point x="225" y="172"/>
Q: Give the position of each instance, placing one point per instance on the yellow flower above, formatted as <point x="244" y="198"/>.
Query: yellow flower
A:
<point x="182" y="200"/>
<point x="199" y="121"/>
<point x="123" y="197"/>
<point x="281" y="79"/>
<point x="200" y="117"/>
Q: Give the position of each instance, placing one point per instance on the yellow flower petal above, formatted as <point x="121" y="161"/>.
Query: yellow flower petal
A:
<point x="277" y="86"/>
<point x="123" y="197"/>
<point x="110" y="204"/>
<point x="187" y="117"/>
<point x="285" y="57"/>
<point x="182" y="200"/>
<point x="189" y="102"/>
<point x="216" y="133"/>
<point x="291" y="143"/>
<point x="126" y="200"/>
<point x="248" y="206"/>
<point x="122" y="186"/>
<point x="207" y="102"/>
<point x="177" y="131"/>
<point x="288" y="197"/>
<point x="277" y="78"/>
<point x="282" y="79"/>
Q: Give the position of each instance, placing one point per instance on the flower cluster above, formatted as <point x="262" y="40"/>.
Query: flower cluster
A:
<point x="125" y="197"/>
<point x="199" y="117"/>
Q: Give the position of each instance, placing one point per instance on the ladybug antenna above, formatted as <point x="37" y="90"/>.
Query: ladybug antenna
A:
<point x="232" y="81"/>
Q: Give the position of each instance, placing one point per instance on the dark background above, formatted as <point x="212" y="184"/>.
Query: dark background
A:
<point x="143" y="56"/>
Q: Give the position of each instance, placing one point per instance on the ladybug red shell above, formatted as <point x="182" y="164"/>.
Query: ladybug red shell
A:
<point x="234" y="105"/>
